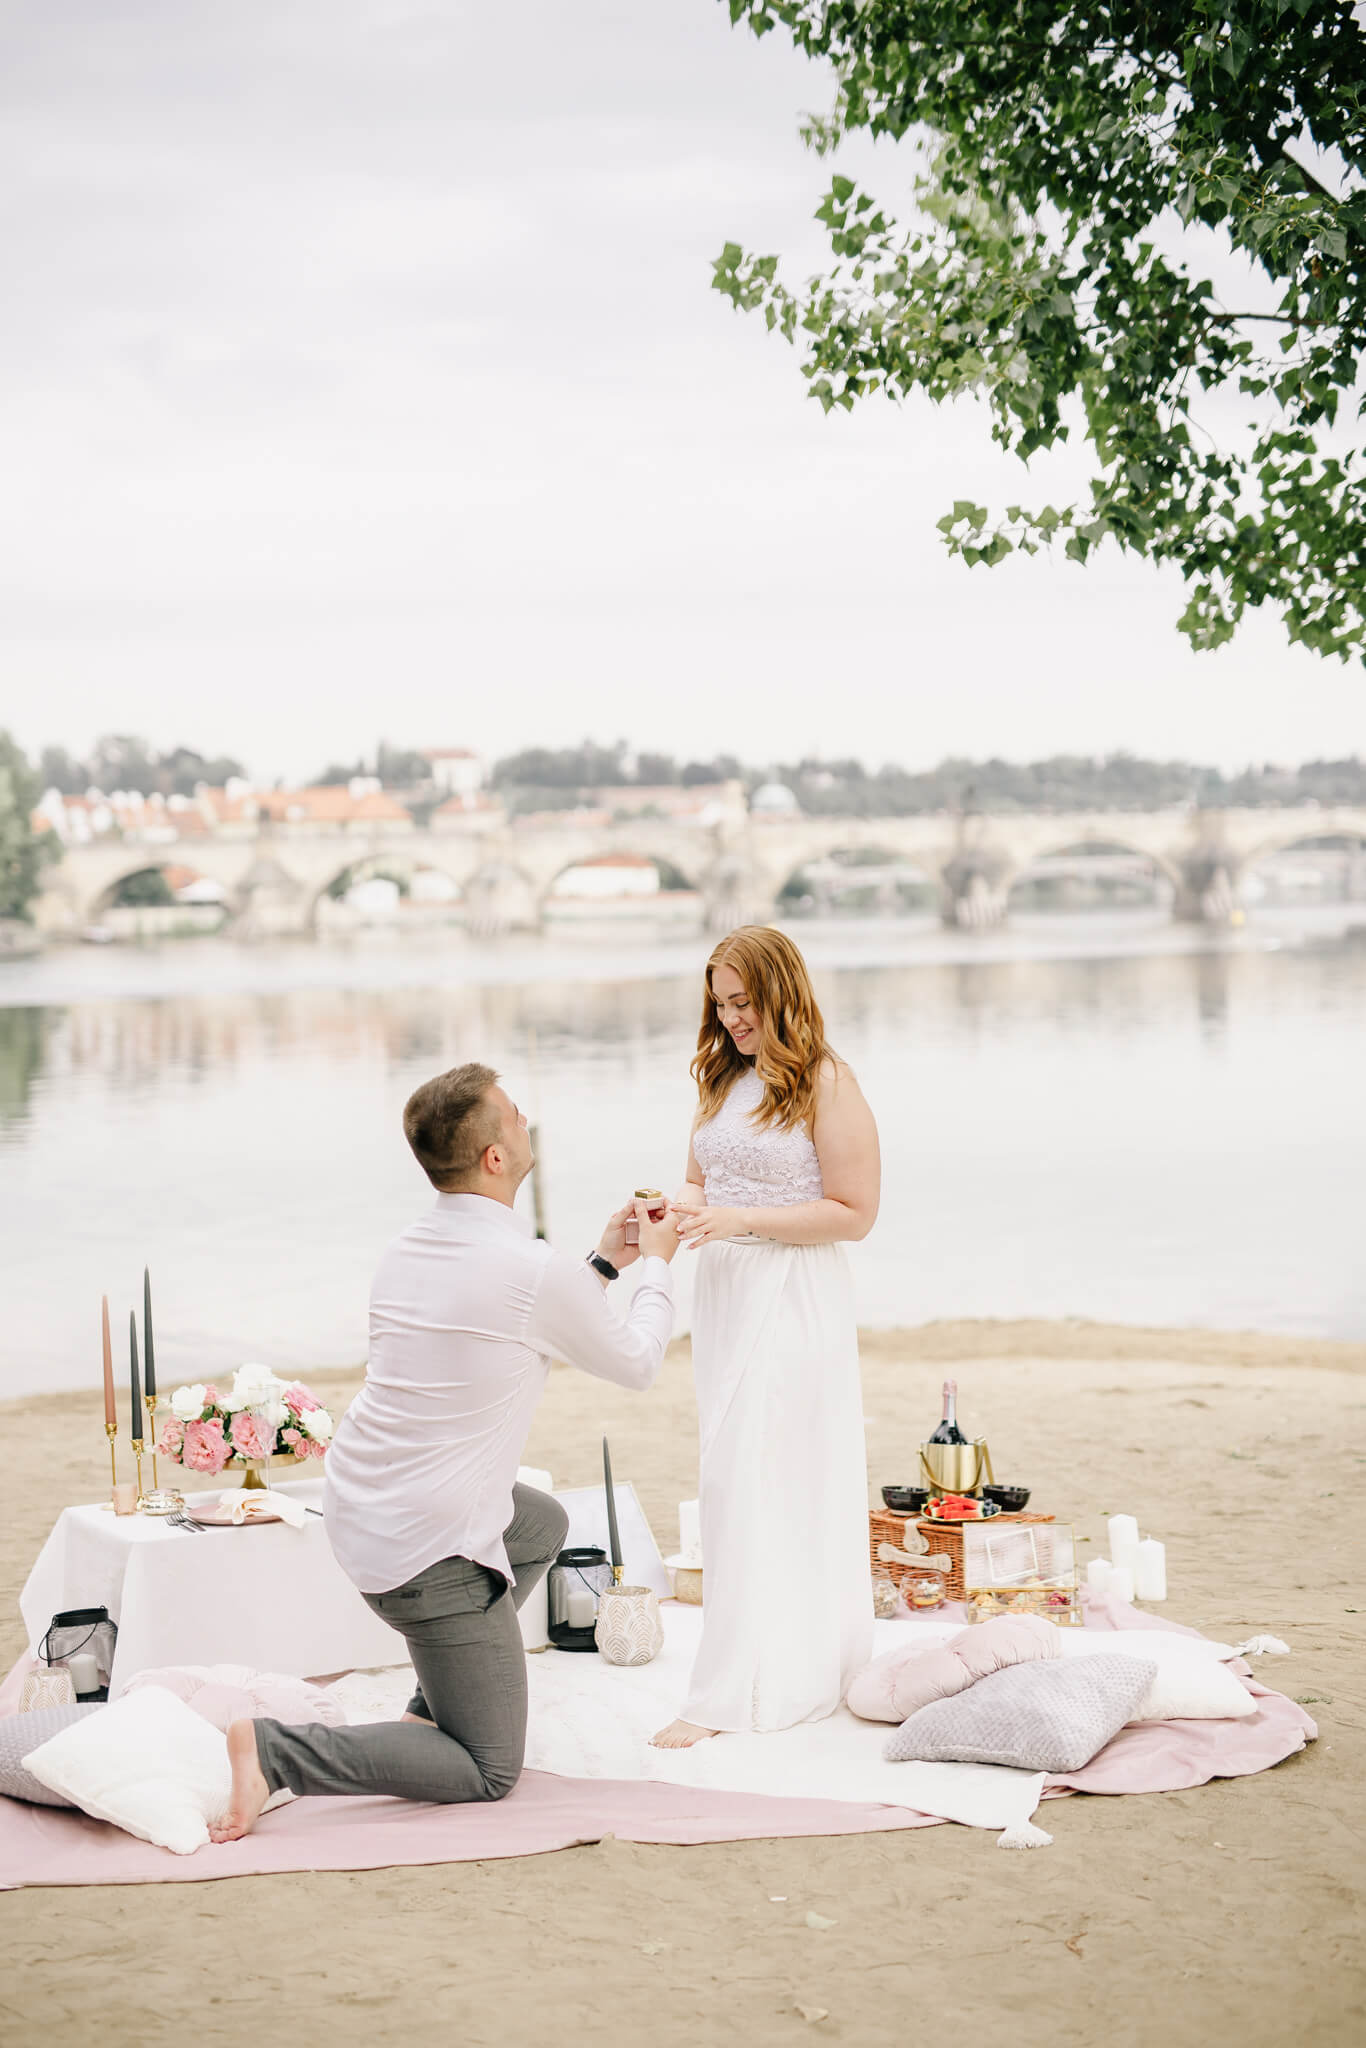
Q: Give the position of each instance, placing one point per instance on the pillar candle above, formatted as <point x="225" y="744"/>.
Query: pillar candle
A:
<point x="1121" y="1582"/>
<point x="148" y="1360"/>
<point x="581" y="1609"/>
<point x="135" y="1427"/>
<point x="110" y="1412"/>
<point x="1098" y="1574"/>
<point x="689" y="1529"/>
<point x="1150" y="1573"/>
<point x="1123" y="1540"/>
<point x="85" y="1672"/>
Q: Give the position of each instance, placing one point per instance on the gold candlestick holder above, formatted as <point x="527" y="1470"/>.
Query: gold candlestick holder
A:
<point x="137" y="1444"/>
<point x="162" y="1500"/>
<point x="111" y="1430"/>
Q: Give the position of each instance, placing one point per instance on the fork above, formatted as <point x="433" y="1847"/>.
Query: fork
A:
<point x="178" y="1519"/>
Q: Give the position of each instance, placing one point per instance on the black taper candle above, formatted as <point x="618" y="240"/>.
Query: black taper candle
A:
<point x="136" y="1431"/>
<point x="149" y="1374"/>
<point x="613" y="1537"/>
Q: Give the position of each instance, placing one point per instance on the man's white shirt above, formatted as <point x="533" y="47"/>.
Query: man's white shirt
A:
<point x="467" y="1310"/>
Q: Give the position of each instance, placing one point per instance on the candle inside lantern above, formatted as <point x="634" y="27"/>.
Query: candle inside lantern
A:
<point x="1150" y="1572"/>
<point x="85" y="1672"/>
<point x="148" y="1361"/>
<point x="110" y="1412"/>
<point x="135" y="1428"/>
<point x="581" y="1609"/>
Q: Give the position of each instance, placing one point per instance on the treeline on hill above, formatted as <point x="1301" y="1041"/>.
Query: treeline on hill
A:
<point x="120" y="761"/>
<point x="544" y="779"/>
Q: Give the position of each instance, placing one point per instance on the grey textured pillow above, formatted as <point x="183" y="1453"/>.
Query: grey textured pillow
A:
<point x="21" y="1734"/>
<point x="1034" y="1717"/>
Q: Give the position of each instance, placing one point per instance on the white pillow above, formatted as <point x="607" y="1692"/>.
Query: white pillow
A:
<point x="1192" y="1684"/>
<point x="148" y="1763"/>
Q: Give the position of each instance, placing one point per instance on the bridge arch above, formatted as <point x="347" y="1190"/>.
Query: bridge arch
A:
<point x="620" y="881"/>
<point x="1330" y="865"/>
<point x="1093" y="873"/>
<point x="862" y="879"/>
<point x="419" y="889"/>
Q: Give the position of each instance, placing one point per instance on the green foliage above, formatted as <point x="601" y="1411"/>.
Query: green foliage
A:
<point x="24" y="853"/>
<point x="1066" y="149"/>
<point x="122" y="761"/>
<point x="148" y="889"/>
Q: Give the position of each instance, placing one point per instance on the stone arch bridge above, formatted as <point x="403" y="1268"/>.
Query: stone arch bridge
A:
<point x="275" y="877"/>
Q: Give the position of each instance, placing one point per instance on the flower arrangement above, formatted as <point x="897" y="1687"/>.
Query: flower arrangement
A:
<point x="260" y="1416"/>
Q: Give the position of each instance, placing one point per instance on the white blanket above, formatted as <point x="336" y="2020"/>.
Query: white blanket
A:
<point x="589" y="1719"/>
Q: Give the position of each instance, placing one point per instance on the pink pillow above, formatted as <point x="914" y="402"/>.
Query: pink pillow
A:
<point x="223" y="1693"/>
<point x="898" y="1684"/>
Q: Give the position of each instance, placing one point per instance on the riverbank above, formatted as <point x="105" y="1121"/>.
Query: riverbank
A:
<point x="1230" y="1912"/>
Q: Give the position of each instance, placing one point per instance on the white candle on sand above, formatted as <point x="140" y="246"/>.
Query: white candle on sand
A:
<point x="1123" y="1540"/>
<point x="1150" y="1572"/>
<point x="1098" y="1573"/>
<point x="1122" y="1582"/>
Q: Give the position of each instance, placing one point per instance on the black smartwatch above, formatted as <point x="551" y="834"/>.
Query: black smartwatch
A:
<point x="603" y="1266"/>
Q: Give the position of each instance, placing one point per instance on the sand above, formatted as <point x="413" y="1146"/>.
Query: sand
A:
<point x="1231" y="1913"/>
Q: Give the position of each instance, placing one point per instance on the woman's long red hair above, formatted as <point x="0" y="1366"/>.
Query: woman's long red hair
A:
<point x="792" y="1041"/>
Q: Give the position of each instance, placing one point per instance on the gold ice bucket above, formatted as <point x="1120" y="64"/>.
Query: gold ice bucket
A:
<point x="957" y="1468"/>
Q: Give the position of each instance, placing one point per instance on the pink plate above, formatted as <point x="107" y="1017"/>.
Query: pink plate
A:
<point x="217" y="1514"/>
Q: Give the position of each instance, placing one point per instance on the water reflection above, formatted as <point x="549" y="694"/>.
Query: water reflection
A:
<point x="1155" y="1137"/>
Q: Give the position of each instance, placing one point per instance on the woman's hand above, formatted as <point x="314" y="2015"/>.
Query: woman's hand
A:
<point x="699" y="1225"/>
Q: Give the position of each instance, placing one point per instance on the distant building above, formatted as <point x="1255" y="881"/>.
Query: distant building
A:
<point x="455" y="770"/>
<point x="773" y="800"/>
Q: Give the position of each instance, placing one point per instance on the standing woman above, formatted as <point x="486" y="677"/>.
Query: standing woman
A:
<point x="783" y="1171"/>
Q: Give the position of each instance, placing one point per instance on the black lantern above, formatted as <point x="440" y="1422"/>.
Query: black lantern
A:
<point x="574" y="1584"/>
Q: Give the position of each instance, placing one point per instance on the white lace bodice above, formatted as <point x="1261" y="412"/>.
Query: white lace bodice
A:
<point x="750" y="1166"/>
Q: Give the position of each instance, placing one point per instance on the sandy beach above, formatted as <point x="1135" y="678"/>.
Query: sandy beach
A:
<point x="1228" y="1913"/>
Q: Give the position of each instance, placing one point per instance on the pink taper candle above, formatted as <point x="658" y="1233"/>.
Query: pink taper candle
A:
<point x="110" y="1413"/>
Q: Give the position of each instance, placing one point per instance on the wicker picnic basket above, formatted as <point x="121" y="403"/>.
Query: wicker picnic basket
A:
<point x="942" y="1539"/>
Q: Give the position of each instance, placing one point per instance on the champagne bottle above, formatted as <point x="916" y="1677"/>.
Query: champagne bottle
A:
<point x="948" y="1431"/>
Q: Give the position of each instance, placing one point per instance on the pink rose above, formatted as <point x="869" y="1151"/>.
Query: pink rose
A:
<point x="306" y="1448"/>
<point x="172" y="1437"/>
<point x="211" y="1396"/>
<point x="299" y="1399"/>
<point x="291" y="1437"/>
<point x="205" y="1450"/>
<point x="251" y="1438"/>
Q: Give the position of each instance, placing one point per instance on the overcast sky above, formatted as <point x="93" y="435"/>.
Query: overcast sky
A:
<point x="361" y="378"/>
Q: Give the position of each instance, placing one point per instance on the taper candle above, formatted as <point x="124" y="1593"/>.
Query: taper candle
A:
<point x="111" y="1418"/>
<point x="613" y="1537"/>
<point x="135" y="1430"/>
<point x="149" y="1372"/>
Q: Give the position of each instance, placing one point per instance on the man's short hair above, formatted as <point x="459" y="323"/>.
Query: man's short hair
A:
<point x="450" y="1123"/>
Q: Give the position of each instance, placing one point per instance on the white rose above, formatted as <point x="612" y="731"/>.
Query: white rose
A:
<point x="318" y="1423"/>
<point x="188" y="1402"/>
<point x="273" y="1412"/>
<point x="252" y="1387"/>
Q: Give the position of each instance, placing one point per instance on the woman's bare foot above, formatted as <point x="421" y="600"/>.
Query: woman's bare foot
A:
<point x="249" y="1789"/>
<point x="680" y="1735"/>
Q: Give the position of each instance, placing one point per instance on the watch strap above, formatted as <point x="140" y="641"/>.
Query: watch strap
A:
<point x="603" y="1266"/>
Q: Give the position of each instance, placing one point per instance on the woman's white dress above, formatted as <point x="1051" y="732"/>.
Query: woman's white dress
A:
<point x="787" y="1618"/>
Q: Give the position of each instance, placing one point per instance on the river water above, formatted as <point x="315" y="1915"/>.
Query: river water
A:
<point x="1100" y="1116"/>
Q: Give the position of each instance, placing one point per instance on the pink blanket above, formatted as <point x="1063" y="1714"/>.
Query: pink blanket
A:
<point x="41" y="1845"/>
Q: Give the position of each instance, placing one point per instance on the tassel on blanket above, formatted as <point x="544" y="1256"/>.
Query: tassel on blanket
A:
<point x="1023" y="1835"/>
<point x="1263" y="1646"/>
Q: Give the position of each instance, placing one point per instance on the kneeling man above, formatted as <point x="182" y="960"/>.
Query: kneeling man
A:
<point x="466" y="1311"/>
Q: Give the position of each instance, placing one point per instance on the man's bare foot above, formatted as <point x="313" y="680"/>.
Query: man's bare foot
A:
<point x="249" y="1789"/>
<point x="421" y="1719"/>
<point x="680" y="1735"/>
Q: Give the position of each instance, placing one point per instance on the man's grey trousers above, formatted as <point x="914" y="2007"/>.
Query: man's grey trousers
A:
<point x="460" y="1623"/>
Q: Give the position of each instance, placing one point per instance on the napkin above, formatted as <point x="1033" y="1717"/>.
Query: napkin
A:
<point x="255" y="1504"/>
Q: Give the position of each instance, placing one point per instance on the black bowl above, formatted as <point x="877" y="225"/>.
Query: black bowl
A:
<point x="1009" y="1499"/>
<point x="905" y="1500"/>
